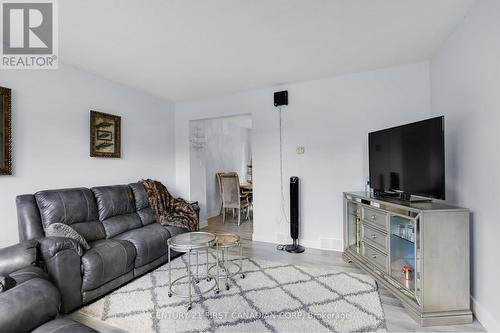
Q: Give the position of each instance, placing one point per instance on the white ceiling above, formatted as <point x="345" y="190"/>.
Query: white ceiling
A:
<point x="190" y="49"/>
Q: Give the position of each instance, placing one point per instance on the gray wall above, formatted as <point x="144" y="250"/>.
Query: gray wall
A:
<point x="331" y="118"/>
<point x="50" y="121"/>
<point x="465" y="86"/>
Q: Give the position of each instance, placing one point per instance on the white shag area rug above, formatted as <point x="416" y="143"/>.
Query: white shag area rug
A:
<point x="273" y="297"/>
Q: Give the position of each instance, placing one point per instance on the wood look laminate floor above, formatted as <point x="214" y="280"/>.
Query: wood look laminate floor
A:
<point x="397" y="320"/>
<point x="244" y="230"/>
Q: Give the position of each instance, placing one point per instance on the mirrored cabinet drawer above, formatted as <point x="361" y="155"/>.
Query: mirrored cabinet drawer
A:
<point x="377" y="238"/>
<point x="375" y="256"/>
<point x="375" y="216"/>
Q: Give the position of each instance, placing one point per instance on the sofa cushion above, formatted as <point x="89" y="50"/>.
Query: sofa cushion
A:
<point x="63" y="325"/>
<point x="116" y="209"/>
<point x="150" y="242"/>
<point x="140" y="195"/>
<point x="91" y="231"/>
<point x="27" y="273"/>
<point x="119" y="224"/>
<point x="17" y="256"/>
<point x="114" y="200"/>
<point x="28" y="305"/>
<point x="28" y="217"/>
<point x="142" y="203"/>
<point x="75" y="206"/>
<point x="175" y="230"/>
<point x="64" y="230"/>
<point x="146" y="215"/>
<point x="105" y="261"/>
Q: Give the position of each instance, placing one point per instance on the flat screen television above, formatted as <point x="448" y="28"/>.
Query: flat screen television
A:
<point x="409" y="159"/>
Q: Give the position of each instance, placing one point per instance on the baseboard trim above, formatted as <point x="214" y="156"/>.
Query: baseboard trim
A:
<point x="203" y="224"/>
<point x="263" y="238"/>
<point x="321" y="244"/>
<point x="484" y="316"/>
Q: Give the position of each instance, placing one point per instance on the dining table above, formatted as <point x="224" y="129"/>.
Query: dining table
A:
<point x="246" y="187"/>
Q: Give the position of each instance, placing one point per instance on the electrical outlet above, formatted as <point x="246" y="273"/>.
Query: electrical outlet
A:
<point x="300" y="150"/>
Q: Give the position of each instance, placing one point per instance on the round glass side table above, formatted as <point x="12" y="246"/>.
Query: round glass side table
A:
<point x="226" y="268"/>
<point x="188" y="243"/>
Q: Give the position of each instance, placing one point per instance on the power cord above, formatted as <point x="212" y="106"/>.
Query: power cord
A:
<point x="284" y="216"/>
<point x="281" y="247"/>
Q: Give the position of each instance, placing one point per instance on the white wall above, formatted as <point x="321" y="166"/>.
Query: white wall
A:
<point x="331" y="118"/>
<point x="465" y="82"/>
<point x="50" y="120"/>
<point x="227" y="148"/>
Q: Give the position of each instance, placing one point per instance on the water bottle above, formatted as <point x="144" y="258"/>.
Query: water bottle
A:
<point x="367" y="187"/>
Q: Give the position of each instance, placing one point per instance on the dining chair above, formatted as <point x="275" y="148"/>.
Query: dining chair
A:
<point x="248" y="191"/>
<point x="232" y="197"/>
<point x="219" y="182"/>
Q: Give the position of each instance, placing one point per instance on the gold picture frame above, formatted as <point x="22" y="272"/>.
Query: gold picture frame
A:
<point x="5" y="131"/>
<point x="105" y="135"/>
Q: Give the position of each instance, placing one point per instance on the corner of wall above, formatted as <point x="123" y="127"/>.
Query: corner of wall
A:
<point x="484" y="316"/>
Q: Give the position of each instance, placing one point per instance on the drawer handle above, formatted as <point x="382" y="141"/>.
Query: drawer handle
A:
<point x="374" y="236"/>
<point x="374" y="217"/>
<point x="374" y="256"/>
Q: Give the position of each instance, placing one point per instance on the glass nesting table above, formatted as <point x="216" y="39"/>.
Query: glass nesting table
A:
<point x="189" y="243"/>
<point x="222" y="268"/>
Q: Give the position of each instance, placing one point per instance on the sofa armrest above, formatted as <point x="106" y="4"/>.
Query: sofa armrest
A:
<point x="196" y="208"/>
<point x="50" y="246"/>
<point x="62" y="260"/>
<point x="18" y="256"/>
<point x="64" y="272"/>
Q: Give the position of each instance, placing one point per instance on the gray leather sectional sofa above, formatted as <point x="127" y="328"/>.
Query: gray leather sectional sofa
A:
<point x="29" y="301"/>
<point x="117" y="222"/>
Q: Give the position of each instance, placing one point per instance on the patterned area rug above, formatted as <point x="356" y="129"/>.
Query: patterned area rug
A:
<point x="273" y="297"/>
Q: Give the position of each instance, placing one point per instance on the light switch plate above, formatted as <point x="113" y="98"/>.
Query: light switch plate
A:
<point x="300" y="150"/>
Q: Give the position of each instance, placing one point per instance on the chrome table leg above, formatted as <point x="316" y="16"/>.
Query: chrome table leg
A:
<point x="226" y="267"/>
<point x="206" y="265"/>
<point x="242" y="275"/>
<point x="169" y="273"/>
<point x="217" y="290"/>
<point x="197" y="280"/>
<point x="189" y="280"/>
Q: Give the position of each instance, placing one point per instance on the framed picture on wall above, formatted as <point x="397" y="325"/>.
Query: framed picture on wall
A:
<point x="5" y="132"/>
<point x="105" y="135"/>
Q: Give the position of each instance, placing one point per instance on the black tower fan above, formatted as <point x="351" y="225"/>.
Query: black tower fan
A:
<point x="294" y="217"/>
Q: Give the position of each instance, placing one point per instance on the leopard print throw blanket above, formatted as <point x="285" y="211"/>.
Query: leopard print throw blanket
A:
<point x="169" y="210"/>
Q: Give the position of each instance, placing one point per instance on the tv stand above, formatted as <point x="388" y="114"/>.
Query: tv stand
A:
<point x="400" y="196"/>
<point x="419" y="251"/>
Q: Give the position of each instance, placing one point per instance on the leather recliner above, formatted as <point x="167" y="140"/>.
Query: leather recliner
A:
<point x="118" y="224"/>
<point x="32" y="302"/>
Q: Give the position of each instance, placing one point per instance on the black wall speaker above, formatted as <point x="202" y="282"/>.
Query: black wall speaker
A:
<point x="294" y="217"/>
<point x="281" y="98"/>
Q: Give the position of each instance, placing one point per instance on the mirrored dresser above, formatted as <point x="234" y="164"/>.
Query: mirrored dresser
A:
<point x="417" y="250"/>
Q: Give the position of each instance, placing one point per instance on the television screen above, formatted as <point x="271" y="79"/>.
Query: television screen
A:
<point x="409" y="158"/>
